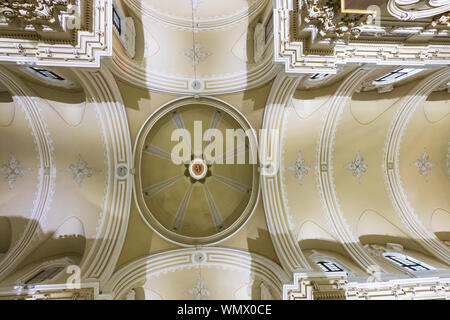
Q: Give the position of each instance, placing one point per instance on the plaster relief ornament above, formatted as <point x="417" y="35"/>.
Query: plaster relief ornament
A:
<point x="13" y="170"/>
<point x="325" y="17"/>
<point x="199" y="291"/>
<point x="36" y="13"/>
<point x="442" y="20"/>
<point x="81" y="170"/>
<point x="357" y="166"/>
<point x="423" y="164"/>
<point x="299" y="167"/>
<point x="196" y="54"/>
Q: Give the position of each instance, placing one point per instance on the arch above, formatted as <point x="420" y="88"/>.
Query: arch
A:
<point x="131" y="71"/>
<point x="23" y="97"/>
<point x="324" y="167"/>
<point x="391" y="165"/>
<point x="5" y="234"/>
<point x="277" y="217"/>
<point x="147" y="267"/>
<point x="67" y="240"/>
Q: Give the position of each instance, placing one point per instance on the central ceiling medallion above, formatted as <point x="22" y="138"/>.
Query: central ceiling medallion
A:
<point x="198" y="169"/>
<point x="196" y="180"/>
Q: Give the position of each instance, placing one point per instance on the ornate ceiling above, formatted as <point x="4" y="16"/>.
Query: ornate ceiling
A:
<point x="204" y="196"/>
<point x="343" y="189"/>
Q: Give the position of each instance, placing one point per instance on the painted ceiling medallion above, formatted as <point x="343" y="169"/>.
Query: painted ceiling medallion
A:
<point x="299" y="167"/>
<point x="423" y="164"/>
<point x="357" y="166"/>
<point x="13" y="170"/>
<point x="80" y="170"/>
<point x="201" y="195"/>
<point x="198" y="169"/>
<point x="196" y="54"/>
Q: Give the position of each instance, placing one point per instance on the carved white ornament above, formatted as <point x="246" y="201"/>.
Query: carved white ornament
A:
<point x="36" y="13"/>
<point x="417" y="9"/>
<point x="13" y="170"/>
<point x="81" y="170"/>
<point x="199" y="290"/>
<point x="357" y="166"/>
<point x="424" y="164"/>
<point x="325" y="19"/>
<point x="299" y="167"/>
<point x="196" y="54"/>
<point x="314" y="36"/>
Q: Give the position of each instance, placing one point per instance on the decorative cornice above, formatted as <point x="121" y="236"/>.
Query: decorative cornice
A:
<point x="404" y="289"/>
<point x="334" y="286"/>
<point x="316" y="286"/>
<point x="419" y="9"/>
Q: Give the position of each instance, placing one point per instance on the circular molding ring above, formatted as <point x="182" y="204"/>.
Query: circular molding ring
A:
<point x="152" y="222"/>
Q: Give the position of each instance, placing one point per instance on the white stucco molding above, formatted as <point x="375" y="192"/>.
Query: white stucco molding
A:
<point x="102" y="92"/>
<point x="275" y="207"/>
<point x="149" y="267"/>
<point x="293" y="51"/>
<point x="25" y="98"/>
